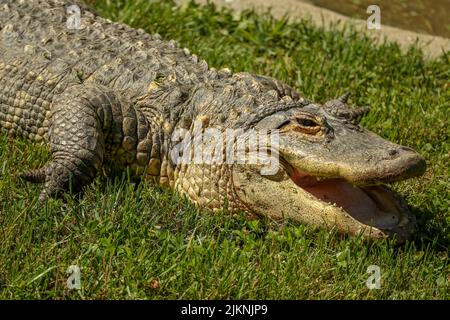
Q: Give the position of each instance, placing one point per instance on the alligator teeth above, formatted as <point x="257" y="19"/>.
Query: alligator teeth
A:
<point x="225" y="70"/>
<point x="287" y="99"/>
<point x="174" y="44"/>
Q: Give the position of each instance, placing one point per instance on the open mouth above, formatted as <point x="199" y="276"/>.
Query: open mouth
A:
<point x="374" y="206"/>
<point x="371" y="210"/>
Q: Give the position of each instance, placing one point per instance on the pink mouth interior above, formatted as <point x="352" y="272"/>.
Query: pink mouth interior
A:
<point x="374" y="206"/>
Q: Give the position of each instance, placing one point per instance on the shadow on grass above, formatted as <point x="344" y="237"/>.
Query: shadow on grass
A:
<point x="432" y="230"/>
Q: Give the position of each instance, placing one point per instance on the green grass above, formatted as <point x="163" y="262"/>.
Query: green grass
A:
<point x="137" y="241"/>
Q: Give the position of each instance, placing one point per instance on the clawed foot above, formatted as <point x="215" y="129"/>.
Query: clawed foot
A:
<point x="58" y="177"/>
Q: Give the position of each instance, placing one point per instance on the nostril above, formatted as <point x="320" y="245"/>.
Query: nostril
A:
<point x="392" y="152"/>
<point x="406" y="149"/>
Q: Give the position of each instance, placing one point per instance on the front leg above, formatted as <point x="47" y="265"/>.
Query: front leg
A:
<point x="84" y="119"/>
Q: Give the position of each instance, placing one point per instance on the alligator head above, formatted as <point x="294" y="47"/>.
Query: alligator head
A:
<point x="331" y="173"/>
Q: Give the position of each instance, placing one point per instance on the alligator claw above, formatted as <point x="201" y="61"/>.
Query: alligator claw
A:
<point x="34" y="176"/>
<point x="58" y="176"/>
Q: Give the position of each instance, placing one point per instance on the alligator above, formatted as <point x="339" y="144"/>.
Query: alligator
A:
<point x="107" y="99"/>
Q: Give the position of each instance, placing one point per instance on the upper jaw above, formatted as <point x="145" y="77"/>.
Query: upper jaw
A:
<point x="405" y="164"/>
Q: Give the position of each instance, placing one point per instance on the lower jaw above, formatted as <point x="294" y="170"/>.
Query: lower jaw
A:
<point x="374" y="206"/>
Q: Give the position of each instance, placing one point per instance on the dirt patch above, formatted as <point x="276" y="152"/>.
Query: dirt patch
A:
<point x="422" y="16"/>
<point x="432" y="46"/>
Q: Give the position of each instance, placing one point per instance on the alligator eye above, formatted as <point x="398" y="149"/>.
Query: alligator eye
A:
<point x="302" y="122"/>
<point x="307" y="124"/>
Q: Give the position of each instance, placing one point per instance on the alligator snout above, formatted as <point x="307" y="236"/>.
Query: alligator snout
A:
<point x="400" y="151"/>
<point x="412" y="163"/>
<point x="398" y="163"/>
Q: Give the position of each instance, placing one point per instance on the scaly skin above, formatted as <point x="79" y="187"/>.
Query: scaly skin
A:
<point x="107" y="98"/>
